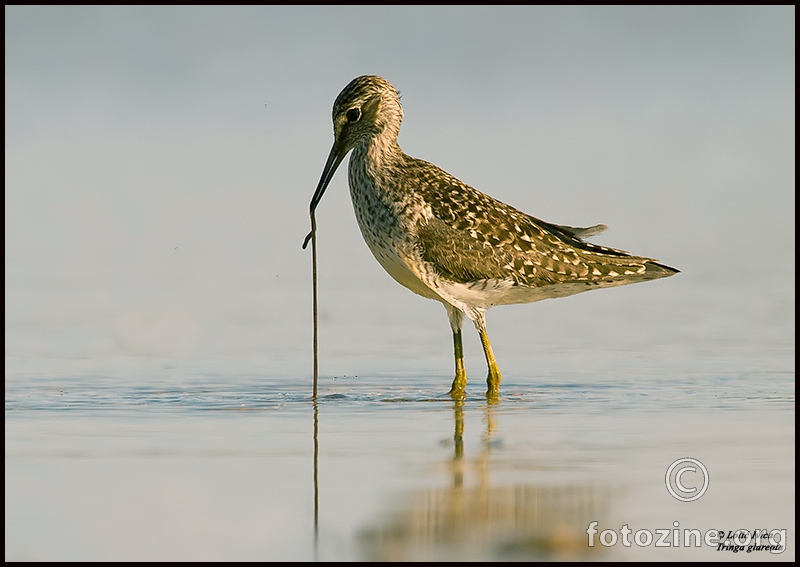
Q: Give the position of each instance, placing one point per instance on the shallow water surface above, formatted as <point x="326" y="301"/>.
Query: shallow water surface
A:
<point x="387" y="467"/>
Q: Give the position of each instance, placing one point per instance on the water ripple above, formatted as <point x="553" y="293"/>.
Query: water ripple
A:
<point x="242" y="393"/>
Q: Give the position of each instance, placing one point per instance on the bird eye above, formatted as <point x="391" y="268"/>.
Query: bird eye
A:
<point x="353" y="114"/>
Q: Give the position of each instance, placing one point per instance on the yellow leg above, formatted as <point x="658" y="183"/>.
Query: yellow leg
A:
<point x="458" y="389"/>
<point x="493" y="379"/>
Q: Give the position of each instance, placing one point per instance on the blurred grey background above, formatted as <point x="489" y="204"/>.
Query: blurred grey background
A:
<point x="160" y="161"/>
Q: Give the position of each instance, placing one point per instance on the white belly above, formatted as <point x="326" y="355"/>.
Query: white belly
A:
<point x="396" y="266"/>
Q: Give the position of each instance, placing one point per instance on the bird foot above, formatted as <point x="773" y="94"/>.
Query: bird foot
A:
<point x="493" y="386"/>
<point x="458" y="391"/>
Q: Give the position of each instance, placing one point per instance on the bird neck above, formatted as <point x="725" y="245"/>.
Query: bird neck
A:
<point x="378" y="151"/>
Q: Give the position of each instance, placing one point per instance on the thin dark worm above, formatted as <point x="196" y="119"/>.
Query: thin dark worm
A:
<point x="313" y="237"/>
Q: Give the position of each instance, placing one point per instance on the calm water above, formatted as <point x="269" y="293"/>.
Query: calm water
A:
<point x="179" y="459"/>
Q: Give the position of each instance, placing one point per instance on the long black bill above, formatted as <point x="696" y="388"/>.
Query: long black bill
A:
<point x="334" y="159"/>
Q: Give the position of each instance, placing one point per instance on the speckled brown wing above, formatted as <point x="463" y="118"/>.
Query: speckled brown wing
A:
<point x="473" y="237"/>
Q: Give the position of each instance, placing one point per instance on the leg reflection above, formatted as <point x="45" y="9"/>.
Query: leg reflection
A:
<point x="458" y="444"/>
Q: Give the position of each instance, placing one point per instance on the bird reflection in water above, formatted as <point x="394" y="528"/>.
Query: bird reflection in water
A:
<point x="477" y="520"/>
